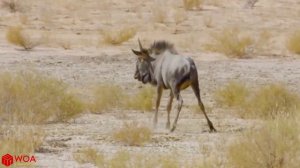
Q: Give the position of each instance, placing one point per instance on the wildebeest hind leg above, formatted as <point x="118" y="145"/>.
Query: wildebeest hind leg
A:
<point x="196" y="90"/>
<point x="179" y="105"/>
<point x="169" y="108"/>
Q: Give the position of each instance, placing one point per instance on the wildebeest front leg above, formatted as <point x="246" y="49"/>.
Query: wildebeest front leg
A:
<point x="169" y="108"/>
<point x="159" y="93"/>
<point x="179" y="105"/>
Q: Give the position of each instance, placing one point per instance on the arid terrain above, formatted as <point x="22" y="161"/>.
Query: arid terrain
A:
<point x="72" y="49"/>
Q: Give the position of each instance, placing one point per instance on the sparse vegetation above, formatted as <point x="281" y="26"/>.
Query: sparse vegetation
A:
<point x="133" y="134"/>
<point x="272" y="101"/>
<point x="65" y="44"/>
<point x="159" y="13"/>
<point x="192" y="4"/>
<point x="32" y="98"/>
<point x="208" y="22"/>
<point x="234" y="94"/>
<point x="230" y="42"/>
<point x="250" y="4"/>
<point x="107" y="96"/>
<point x="89" y="155"/>
<point x="179" y="16"/>
<point x="275" y="145"/>
<point x="10" y="4"/>
<point x="17" y="36"/>
<point x="119" y="36"/>
<point x="293" y="43"/>
<point x="268" y="102"/>
<point x="143" y="100"/>
<point x="125" y="159"/>
<point x="20" y="140"/>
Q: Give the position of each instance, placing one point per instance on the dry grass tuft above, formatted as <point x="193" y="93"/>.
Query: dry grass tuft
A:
<point x="119" y="36"/>
<point x="275" y="145"/>
<point x="192" y="4"/>
<point x="230" y="42"/>
<point x="12" y="5"/>
<point x="133" y="134"/>
<point x="32" y="98"/>
<point x="208" y="22"/>
<point x="293" y="43"/>
<point x="143" y="100"/>
<point x="20" y="140"/>
<point x="272" y="101"/>
<point x="107" y="96"/>
<point x="17" y="36"/>
<point x="159" y="13"/>
<point x="234" y="94"/>
<point x="268" y="102"/>
<point x="89" y="155"/>
<point x="179" y="16"/>
<point x="125" y="159"/>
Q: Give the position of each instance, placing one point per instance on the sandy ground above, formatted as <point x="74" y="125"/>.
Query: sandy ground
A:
<point x="87" y="63"/>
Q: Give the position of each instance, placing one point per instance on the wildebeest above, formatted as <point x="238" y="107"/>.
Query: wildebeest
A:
<point x="162" y="66"/>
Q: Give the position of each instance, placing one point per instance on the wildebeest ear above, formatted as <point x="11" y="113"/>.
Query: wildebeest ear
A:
<point x="138" y="53"/>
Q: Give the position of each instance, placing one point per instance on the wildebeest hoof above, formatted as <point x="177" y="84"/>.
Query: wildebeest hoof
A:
<point x="173" y="129"/>
<point x="212" y="130"/>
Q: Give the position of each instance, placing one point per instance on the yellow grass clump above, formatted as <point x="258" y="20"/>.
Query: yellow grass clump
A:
<point x="20" y="140"/>
<point x="12" y="5"/>
<point x="179" y="16"/>
<point x="125" y="159"/>
<point x="267" y="102"/>
<point x="275" y="145"/>
<point x="293" y="43"/>
<point x="159" y="13"/>
<point x="17" y="36"/>
<point x="143" y="100"/>
<point x="119" y="36"/>
<point x="32" y="98"/>
<point x="106" y="97"/>
<point x="133" y="134"/>
<point x="234" y="94"/>
<point x="192" y="4"/>
<point x="89" y="155"/>
<point x="272" y="101"/>
<point x="230" y="42"/>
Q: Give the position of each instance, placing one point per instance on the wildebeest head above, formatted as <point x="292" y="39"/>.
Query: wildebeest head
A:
<point x="143" y="65"/>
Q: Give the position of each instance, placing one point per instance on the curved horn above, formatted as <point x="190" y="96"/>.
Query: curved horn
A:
<point x="140" y="44"/>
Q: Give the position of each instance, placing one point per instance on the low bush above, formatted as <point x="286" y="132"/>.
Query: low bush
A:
<point x="143" y="100"/>
<point x="17" y="36"/>
<point x="29" y="97"/>
<point x="275" y="145"/>
<point x="233" y="94"/>
<point x="192" y="4"/>
<point x="133" y="134"/>
<point x="293" y="43"/>
<point x="21" y="140"/>
<point x="118" y="36"/>
<point x="230" y="42"/>
<point x="272" y="101"/>
<point x="106" y="97"/>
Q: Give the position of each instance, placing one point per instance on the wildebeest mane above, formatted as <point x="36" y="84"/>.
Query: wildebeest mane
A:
<point x="161" y="46"/>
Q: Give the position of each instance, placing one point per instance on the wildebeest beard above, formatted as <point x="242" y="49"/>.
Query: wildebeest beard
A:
<point x="146" y="78"/>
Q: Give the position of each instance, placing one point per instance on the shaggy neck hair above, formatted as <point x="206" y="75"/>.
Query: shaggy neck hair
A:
<point x="162" y="46"/>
